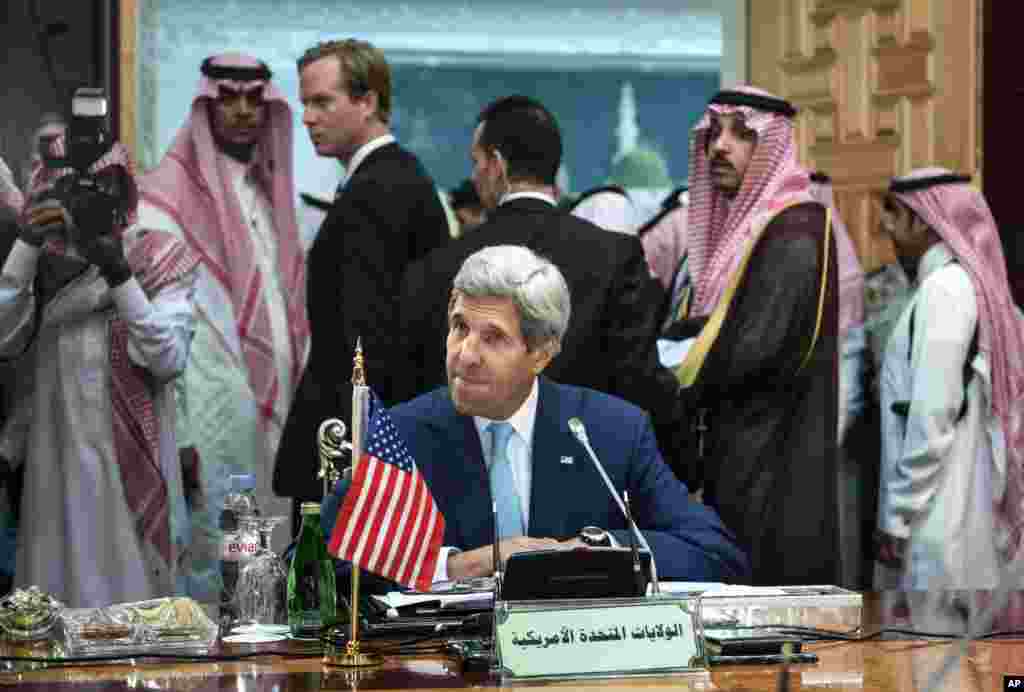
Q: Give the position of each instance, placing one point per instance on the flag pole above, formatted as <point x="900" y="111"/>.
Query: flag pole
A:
<point x="353" y="657"/>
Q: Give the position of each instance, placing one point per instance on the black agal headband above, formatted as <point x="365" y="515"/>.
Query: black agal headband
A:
<point x="910" y="185"/>
<point x="761" y="103"/>
<point x="237" y="74"/>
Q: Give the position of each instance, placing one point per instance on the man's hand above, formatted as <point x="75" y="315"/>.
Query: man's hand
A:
<point x="42" y="219"/>
<point x="106" y="251"/>
<point x="480" y="562"/>
<point x="890" y="550"/>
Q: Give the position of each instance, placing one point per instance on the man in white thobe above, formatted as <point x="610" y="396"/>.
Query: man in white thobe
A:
<point x="98" y="313"/>
<point x="951" y="384"/>
<point x="226" y="187"/>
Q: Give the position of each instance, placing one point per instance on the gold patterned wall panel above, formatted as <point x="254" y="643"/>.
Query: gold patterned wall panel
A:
<point x="127" y="59"/>
<point x="883" y="86"/>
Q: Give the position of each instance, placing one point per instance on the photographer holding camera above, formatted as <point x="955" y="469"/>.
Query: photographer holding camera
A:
<point x="99" y="314"/>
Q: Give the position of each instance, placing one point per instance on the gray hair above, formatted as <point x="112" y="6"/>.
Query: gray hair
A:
<point x="535" y="285"/>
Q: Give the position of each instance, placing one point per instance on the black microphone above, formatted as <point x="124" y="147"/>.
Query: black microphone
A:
<point x="580" y="432"/>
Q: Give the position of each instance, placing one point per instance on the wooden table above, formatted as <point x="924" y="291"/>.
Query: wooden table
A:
<point x="896" y="666"/>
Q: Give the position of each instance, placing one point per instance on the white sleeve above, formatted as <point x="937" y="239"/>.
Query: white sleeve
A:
<point x="441" y="570"/>
<point x="18" y="299"/>
<point x="944" y="317"/>
<point x="160" y="329"/>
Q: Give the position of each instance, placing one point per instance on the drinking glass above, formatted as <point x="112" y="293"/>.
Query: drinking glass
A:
<point x="263" y="581"/>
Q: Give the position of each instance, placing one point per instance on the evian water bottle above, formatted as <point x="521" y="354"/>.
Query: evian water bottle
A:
<point x="237" y="544"/>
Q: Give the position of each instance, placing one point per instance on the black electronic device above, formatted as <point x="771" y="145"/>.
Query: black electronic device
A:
<point x="97" y="202"/>
<point x="745" y="642"/>
<point x="409" y="626"/>
<point x="574" y="574"/>
<point x="476" y="655"/>
<point x="480" y="624"/>
<point x="88" y="135"/>
<point x="637" y="540"/>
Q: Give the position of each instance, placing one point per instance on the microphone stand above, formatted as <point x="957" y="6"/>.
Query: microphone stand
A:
<point x="496" y="554"/>
<point x="498" y="577"/>
<point x="638" y="576"/>
<point x="580" y="432"/>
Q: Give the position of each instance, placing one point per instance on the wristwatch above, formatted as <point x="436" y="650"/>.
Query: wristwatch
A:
<point x="595" y="537"/>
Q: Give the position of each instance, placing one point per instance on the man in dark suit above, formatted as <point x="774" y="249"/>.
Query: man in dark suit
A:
<point x="386" y="214"/>
<point x="610" y="343"/>
<point x="500" y="431"/>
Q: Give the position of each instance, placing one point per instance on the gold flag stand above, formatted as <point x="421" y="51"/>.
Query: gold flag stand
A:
<point x="353" y="657"/>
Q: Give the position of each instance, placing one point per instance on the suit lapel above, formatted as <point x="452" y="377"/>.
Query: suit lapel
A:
<point x="375" y="157"/>
<point x="556" y="463"/>
<point x="469" y="504"/>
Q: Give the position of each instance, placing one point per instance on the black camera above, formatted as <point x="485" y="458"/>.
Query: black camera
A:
<point x="100" y="201"/>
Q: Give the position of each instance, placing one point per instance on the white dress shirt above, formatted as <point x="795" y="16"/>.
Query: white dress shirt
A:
<point x="528" y="194"/>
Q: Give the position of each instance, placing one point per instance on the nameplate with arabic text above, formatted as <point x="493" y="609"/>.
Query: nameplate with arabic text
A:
<point x="603" y="638"/>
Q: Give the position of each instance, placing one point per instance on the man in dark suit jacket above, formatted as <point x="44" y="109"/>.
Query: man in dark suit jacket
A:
<point x="387" y="214"/>
<point x="610" y="343"/>
<point x="509" y="312"/>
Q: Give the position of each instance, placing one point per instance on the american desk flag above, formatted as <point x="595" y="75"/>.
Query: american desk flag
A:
<point x="388" y="523"/>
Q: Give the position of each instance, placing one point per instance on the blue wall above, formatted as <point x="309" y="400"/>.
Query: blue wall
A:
<point x="446" y="101"/>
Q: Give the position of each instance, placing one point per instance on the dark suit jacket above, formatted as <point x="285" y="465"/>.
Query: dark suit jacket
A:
<point x="567" y="493"/>
<point x="610" y="343"/>
<point x="388" y="215"/>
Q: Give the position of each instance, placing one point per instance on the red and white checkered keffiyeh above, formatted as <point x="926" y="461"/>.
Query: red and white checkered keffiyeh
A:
<point x="192" y="184"/>
<point x="719" y="227"/>
<point x="958" y="213"/>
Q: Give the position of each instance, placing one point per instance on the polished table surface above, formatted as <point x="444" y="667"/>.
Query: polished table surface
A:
<point x="870" y="665"/>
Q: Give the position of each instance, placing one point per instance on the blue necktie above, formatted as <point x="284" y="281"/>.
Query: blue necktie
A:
<point x="503" y="486"/>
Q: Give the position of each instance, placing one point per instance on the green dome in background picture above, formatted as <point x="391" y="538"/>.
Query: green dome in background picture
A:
<point x="641" y="168"/>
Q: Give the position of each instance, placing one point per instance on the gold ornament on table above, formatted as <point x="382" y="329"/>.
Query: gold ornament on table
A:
<point x="353" y="656"/>
<point x="332" y="448"/>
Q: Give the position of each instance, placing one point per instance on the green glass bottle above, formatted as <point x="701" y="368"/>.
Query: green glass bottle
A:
<point x="312" y="597"/>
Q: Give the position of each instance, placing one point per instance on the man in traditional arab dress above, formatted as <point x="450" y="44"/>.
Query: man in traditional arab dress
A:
<point x="951" y="505"/>
<point x="225" y="186"/>
<point x="760" y="296"/>
<point x="99" y="310"/>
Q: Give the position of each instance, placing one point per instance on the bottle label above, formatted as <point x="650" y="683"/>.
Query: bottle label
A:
<point x="234" y="549"/>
